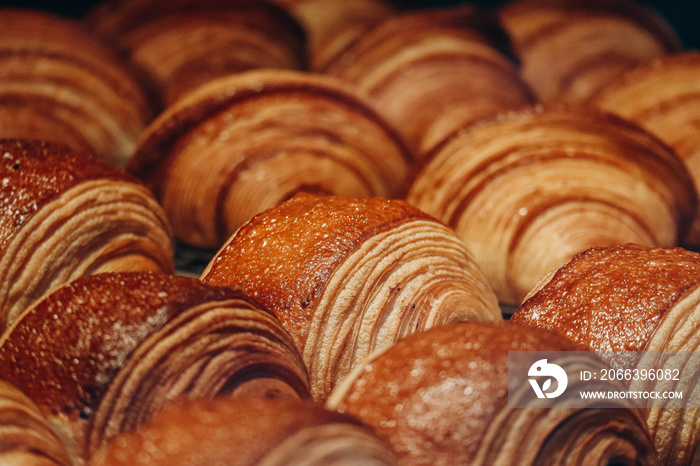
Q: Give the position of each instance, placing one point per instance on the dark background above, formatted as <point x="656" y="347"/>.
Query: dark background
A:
<point x="684" y="15"/>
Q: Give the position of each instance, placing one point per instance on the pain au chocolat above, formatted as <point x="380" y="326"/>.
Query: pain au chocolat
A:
<point x="242" y="144"/>
<point x="25" y="436"/>
<point x="59" y="82"/>
<point x="664" y="97"/>
<point x="431" y="71"/>
<point x="66" y="214"/>
<point x="441" y="397"/>
<point x="529" y="189"/>
<point x="347" y="276"/>
<point x="248" y="432"/>
<point x="181" y="44"/>
<point x="632" y="298"/>
<point x="102" y="354"/>
<point x="568" y="49"/>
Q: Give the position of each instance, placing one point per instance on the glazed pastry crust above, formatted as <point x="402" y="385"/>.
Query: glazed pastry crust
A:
<point x="67" y="214"/>
<point x="346" y="276"/>
<point x="301" y="267"/>
<point x="647" y="282"/>
<point x="104" y="353"/>
<point x="441" y="397"/>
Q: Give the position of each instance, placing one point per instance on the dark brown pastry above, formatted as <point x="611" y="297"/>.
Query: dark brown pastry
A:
<point x="66" y="214"/>
<point x="247" y="432"/>
<point x="527" y="190"/>
<point x="440" y="397"/>
<point x="26" y="439"/>
<point x="430" y="72"/>
<point x="60" y="83"/>
<point x="346" y="276"/>
<point x="664" y="97"/>
<point x="242" y="144"/>
<point x="102" y="354"/>
<point x="631" y="298"/>
<point x="570" y="48"/>
<point x="181" y="44"/>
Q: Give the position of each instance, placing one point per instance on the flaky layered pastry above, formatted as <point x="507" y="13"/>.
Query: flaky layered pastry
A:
<point x="440" y="397"/>
<point x="60" y="83"/>
<point x="25" y="436"/>
<point x="664" y="97"/>
<point x="570" y="48"/>
<point x="346" y="276"/>
<point x="431" y="71"/>
<point x="333" y="25"/>
<point x="102" y="354"/>
<point x="242" y="144"/>
<point x="181" y="44"/>
<point x="66" y="214"/>
<point x="248" y="432"/>
<point x="529" y="189"/>
<point x="632" y="298"/>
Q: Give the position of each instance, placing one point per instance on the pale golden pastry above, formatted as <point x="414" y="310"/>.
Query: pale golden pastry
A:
<point x="66" y="214"/>
<point x="181" y="44"/>
<point x="242" y="144"/>
<point x="631" y="298"/>
<point x="664" y="97"/>
<point x="59" y="82"/>
<point x="440" y="398"/>
<point x="25" y="436"/>
<point x="430" y="72"/>
<point x="529" y="189"/>
<point x="346" y="276"/>
<point x="248" y="432"/>
<point x="568" y="49"/>
<point x="104" y="353"/>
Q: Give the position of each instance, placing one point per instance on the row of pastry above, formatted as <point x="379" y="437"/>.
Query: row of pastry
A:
<point x="371" y="184"/>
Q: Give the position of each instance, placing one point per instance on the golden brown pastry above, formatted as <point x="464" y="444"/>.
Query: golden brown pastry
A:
<point x="104" y="353"/>
<point x="346" y="276"/>
<point x="25" y="436"/>
<point x="333" y="25"/>
<point x="664" y="97"/>
<point x="242" y="144"/>
<point x="630" y="298"/>
<point x="60" y="83"/>
<point x="248" y="432"/>
<point x="440" y="397"/>
<point x="570" y="48"/>
<point x="181" y="44"/>
<point x="66" y="214"/>
<point x="431" y="71"/>
<point x="529" y="189"/>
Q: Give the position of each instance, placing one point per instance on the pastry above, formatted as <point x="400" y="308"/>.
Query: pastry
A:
<point x="333" y="25"/>
<point x="58" y="82"/>
<point x="248" y="432"/>
<point x="239" y="145"/>
<point x="213" y="38"/>
<point x="104" y="353"/>
<point x="530" y="188"/>
<point x="66" y="214"/>
<point x="570" y="48"/>
<point x="431" y="71"/>
<point x="441" y="397"/>
<point x="629" y="298"/>
<point x="664" y="97"/>
<point x="346" y="276"/>
<point x="25" y="436"/>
